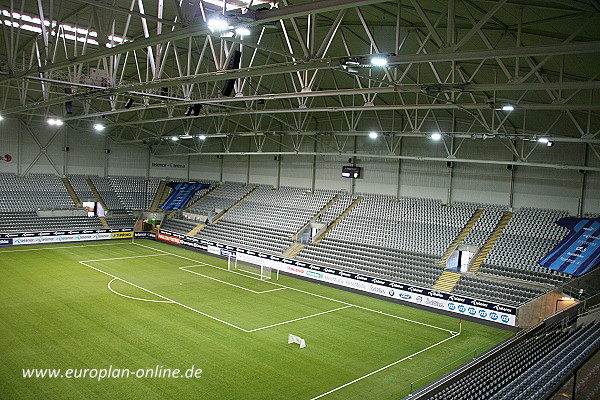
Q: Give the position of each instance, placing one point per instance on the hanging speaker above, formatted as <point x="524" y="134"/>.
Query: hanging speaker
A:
<point x="196" y="109"/>
<point x="68" y="104"/>
<point x="128" y="103"/>
<point x="234" y="63"/>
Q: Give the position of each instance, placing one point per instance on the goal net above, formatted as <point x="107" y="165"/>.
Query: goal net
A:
<point x="261" y="271"/>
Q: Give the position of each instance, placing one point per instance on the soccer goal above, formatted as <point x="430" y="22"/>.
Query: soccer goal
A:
<point x="261" y="271"/>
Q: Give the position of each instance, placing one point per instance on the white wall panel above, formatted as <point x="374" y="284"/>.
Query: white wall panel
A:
<point x="208" y="167"/>
<point x="546" y="188"/>
<point x="378" y="176"/>
<point x="329" y="173"/>
<point x="481" y="183"/>
<point x="427" y="179"/>
<point x="296" y="171"/>
<point x="9" y="146"/>
<point x="235" y="168"/>
<point x="263" y="170"/>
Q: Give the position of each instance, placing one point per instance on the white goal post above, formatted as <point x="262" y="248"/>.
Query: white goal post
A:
<point x="296" y="339"/>
<point x="262" y="271"/>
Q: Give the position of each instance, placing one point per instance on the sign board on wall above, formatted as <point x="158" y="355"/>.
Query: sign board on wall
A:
<point x="461" y="305"/>
<point x="79" y="235"/>
<point x="6" y="158"/>
<point x="161" y="163"/>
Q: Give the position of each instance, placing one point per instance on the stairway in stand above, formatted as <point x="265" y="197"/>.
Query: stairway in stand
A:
<point x="338" y="219"/>
<point x="71" y="192"/>
<point x="482" y="254"/>
<point x="448" y="279"/>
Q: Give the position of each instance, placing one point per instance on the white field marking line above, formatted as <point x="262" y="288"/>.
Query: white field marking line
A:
<point x="298" y="319"/>
<point x="312" y="294"/>
<point x="385" y="367"/>
<point x="124" y="258"/>
<point x="166" y="298"/>
<point x="131" y="297"/>
<point x="52" y="247"/>
<point x="226" y="283"/>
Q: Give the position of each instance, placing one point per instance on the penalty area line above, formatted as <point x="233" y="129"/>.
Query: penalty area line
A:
<point x="298" y="319"/>
<point x="227" y="283"/>
<point x="384" y="367"/>
<point x="309" y="293"/>
<point x="131" y="297"/>
<point x="166" y="298"/>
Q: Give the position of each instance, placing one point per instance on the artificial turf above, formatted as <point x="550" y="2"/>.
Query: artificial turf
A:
<point x="58" y="312"/>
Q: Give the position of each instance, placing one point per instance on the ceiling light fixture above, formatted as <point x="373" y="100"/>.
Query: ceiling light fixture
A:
<point x="217" y="24"/>
<point x="373" y="135"/>
<point x="508" y="107"/>
<point x="54" y="122"/>
<point x="99" y="127"/>
<point x="174" y="138"/>
<point x="379" y="61"/>
<point x="436" y="136"/>
<point x="201" y="137"/>
<point x="242" y="31"/>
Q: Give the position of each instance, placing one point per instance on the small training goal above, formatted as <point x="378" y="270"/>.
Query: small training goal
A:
<point x="296" y="339"/>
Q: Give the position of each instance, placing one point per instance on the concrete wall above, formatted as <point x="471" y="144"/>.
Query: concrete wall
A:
<point x="537" y="310"/>
<point x="522" y="186"/>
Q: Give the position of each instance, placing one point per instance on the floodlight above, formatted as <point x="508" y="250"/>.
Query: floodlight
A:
<point x="543" y="140"/>
<point x="217" y="24"/>
<point x="373" y="135"/>
<point x="508" y="107"/>
<point x="54" y="121"/>
<point x="436" y="136"/>
<point x="174" y="138"/>
<point x="201" y="137"/>
<point x="98" y="127"/>
<point x="242" y="31"/>
<point x="379" y="61"/>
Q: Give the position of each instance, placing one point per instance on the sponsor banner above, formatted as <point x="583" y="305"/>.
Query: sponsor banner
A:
<point x="121" y="235"/>
<point x="195" y="245"/>
<point x="228" y="253"/>
<point x="59" y="239"/>
<point x="150" y="235"/>
<point x="214" y="250"/>
<point x="456" y="304"/>
<point x="169" y="238"/>
<point x="169" y="165"/>
<point x="63" y="233"/>
<point x="5" y="242"/>
<point x="579" y="252"/>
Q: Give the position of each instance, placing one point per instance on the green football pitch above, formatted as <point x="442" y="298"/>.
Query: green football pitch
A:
<point x="96" y="314"/>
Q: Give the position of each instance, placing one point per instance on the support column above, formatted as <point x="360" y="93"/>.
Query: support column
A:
<point x="106" y="153"/>
<point x="399" y="177"/>
<point x="19" y="147"/>
<point x="221" y="169"/>
<point x="314" y="168"/>
<point x="450" y="179"/>
<point x="278" y="178"/>
<point x="66" y="155"/>
<point x="248" y="171"/>
<point x="352" y="180"/>
<point x="148" y="164"/>
<point x="511" y="184"/>
<point x="189" y="166"/>
<point x="583" y="174"/>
